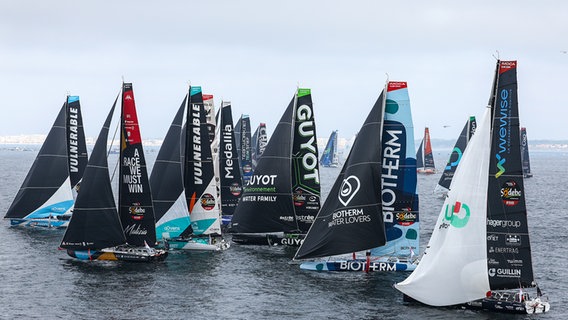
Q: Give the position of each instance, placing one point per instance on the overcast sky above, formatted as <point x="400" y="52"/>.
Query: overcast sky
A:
<point x="255" y="53"/>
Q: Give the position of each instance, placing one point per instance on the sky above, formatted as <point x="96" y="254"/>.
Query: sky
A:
<point x="255" y="54"/>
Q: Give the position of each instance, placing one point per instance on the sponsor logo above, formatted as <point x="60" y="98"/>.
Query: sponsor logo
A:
<point x="296" y="242"/>
<point x="503" y="223"/>
<point x="492" y="237"/>
<point x="235" y="189"/>
<point x="287" y="218"/>
<point x="196" y="143"/>
<point x="508" y="273"/>
<point x="308" y="146"/>
<point x="136" y="211"/>
<point x="135" y="229"/>
<point x="349" y="188"/>
<point x="72" y="120"/>
<point x="299" y="199"/>
<point x="349" y="216"/>
<point x="58" y="209"/>
<point x="515" y="262"/>
<point x="263" y="179"/>
<point x="492" y="261"/>
<point x="207" y="202"/>
<point x="511" y="193"/>
<point x="406" y="217"/>
<point x="247" y="168"/>
<point x="513" y="239"/>
<point x="361" y="266"/>
<point x="455" y="163"/>
<point x="453" y="216"/>
<point x="501" y="250"/>
<point x="389" y="174"/>
<point x="171" y="228"/>
<point x="504" y="130"/>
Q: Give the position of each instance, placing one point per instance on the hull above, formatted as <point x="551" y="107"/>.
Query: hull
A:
<point x="358" y="265"/>
<point x="289" y="239"/>
<point x="136" y="254"/>
<point x="199" y="244"/>
<point x="41" y="223"/>
<point x="257" y="238"/>
<point x="495" y="305"/>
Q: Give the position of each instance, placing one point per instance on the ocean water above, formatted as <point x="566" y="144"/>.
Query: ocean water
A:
<point x="38" y="281"/>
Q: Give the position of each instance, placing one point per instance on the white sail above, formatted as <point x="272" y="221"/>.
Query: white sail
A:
<point x="174" y="221"/>
<point x="453" y="269"/>
<point x="205" y="216"/>
<point x="61" y="202"/>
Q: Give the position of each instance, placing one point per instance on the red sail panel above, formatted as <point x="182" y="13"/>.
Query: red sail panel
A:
<point x="396" y="85"/>
<point x="130" y="118"/>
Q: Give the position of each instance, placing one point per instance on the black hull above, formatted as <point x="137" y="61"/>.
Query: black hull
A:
<point x="493" y="305"/>
<point x="286" y="239"/>
<point x="487" y="305"/>
<point x="250" y="239"/>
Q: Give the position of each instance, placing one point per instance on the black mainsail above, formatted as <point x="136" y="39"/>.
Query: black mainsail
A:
<point x="351" y="218"/>
<point x="47" y="189"/>
<point x="95" y="223"/>
<point x="135" y="198"/>
<point x="525" y="154"/>
<point x="259" y="141"/>
<point x="166" y="181"/>
<point x="266" y="204"/>
<point x="231" y="182"/>
<point x="508" y="246"/>
<point x="305" y="165"/>
<point x="446" y="179"/>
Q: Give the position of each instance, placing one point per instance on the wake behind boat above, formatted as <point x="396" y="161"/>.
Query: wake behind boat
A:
<point x="47" y="194"/>
<point x="479" y="254"/>
<point x="97" y="230"/>
<point x="350" y="231"/>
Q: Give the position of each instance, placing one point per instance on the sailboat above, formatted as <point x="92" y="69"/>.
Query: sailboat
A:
<point x="467" y="132"/>
<point x="480" y="244"/>
<point x="243" y="140"/>
<point x="46" y="196"/>
<point x="424" y="156"/>
<point x="184" y="183"/>
<point x="230" y="180"/>
<point x="525" y="158"/>
<point x="373" y="205"/>
<point x="283" y="196"/>
<point x="97" y="230"/>
<point x="259" y="141"/>
<point x="329" y="157"/>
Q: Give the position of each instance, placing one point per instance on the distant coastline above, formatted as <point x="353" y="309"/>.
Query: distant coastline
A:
<point x="442" y="144"/>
